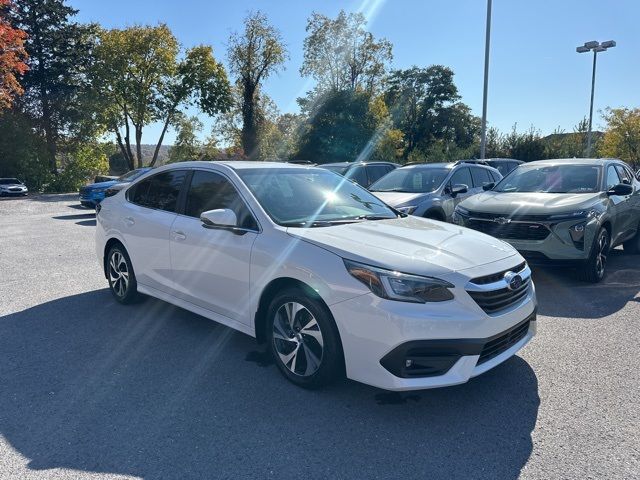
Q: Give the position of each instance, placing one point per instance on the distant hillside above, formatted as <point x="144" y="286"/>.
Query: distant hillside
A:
<point x="118" y="165"/>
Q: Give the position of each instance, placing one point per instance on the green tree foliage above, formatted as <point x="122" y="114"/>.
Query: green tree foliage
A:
<point x="622" y="136"/>
<point x="60" y="52"/>
<point x="139" y="79"/>
<point x="22" y="153"/>
<point x="340" y="53"/>
<point x="340" y="127"/>
<point x="187" y="145"/>
<point x="424" y="105"/>
<point x="254" y="55"/>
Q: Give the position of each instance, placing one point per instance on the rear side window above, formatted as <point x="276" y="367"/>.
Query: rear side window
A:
<point x="358" y="175"/>
<point x="481" y="177"/>
<point x="212" y="191"/>
<point x="377" y="171"/>
<point x="461" y="176"/>
<point x="160" y="191"/>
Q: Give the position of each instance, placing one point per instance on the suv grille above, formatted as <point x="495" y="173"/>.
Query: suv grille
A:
<point x="515" y="230"/>
<point x="493" y="301"/>
<point x="505" y="341"/>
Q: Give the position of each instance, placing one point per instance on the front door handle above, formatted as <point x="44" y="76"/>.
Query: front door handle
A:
<point x="129" y="221"/>
<point x="179" y="236"/>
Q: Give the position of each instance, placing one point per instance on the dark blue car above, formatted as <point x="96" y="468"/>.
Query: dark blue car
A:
<point x="92" y="195"/>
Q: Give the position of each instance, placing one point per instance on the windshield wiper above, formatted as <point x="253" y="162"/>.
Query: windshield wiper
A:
<point x="319" y="223"/>
<point x="397" y="189"/>
<point x="373" y="216"/>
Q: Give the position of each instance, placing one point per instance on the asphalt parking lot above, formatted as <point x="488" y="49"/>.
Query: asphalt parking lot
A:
<point x="92" y="389"/>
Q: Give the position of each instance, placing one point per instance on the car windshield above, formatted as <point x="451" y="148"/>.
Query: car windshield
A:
<point x="341" y="169"/>
<point x="411" y="180"/>
<point x="552" y="179"/>
<point x="311" y="197"/>
<point x="132" y="175"/>
<point x="9" y="181"/>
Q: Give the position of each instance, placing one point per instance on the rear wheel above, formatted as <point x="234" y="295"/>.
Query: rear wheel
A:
<point x="303" y="339"/>
<point x="122" y="279"/>
<point x="594" y="268"/>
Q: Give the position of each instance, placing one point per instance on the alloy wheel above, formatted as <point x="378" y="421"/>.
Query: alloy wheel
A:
<point x="601" y="258"/>
<point x="297" y="339"/>
<point x="119" y="274"/>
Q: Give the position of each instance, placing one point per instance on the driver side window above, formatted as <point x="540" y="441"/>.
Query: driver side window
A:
<point x="461" y="177"/>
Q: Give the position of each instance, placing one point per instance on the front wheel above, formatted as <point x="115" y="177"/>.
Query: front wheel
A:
<point x="594" y="269"/>
<point x="303" y="339"/>
<point x="122" y="279"/>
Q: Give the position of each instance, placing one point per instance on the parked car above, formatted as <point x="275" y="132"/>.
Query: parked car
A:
<point x="12" y="186"/>
<point x="570" y="211"/>
<point x="329" y="277"/>
<point x="363" y="173"/>
<point x="92" y="195"/>
<point x="432" y="190"/>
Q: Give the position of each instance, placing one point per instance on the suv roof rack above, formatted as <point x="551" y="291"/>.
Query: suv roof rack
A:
<point x="471" y="160"/>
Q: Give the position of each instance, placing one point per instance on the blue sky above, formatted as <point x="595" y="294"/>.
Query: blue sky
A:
<point x="536" y="77"/>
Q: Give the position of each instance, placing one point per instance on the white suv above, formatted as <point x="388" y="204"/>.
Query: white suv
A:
<point x="331" y="278"/>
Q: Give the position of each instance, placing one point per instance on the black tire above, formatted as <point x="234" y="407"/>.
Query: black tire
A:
<point x="122" y="279"/>
<point x="632" y="246"/>
<point x="594" y="269"/>
<point x="317" y="354"/>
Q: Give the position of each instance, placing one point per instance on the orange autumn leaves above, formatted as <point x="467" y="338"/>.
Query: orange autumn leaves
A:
<point x="12" y="57"/>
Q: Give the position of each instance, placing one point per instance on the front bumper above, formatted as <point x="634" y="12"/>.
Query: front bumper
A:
<point x="15" y="191"/>
<point x="91" y="199"/>
<point x="374" y="330"/>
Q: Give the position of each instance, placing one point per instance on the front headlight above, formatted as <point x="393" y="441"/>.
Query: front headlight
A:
<point x="407" y="210"/>
<point x="577" y="215"/>
<point x="400" y="286"/>
<point x="459" y="214"/>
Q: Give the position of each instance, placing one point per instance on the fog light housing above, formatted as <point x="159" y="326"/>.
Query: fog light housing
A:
<point x="577" y="235"/>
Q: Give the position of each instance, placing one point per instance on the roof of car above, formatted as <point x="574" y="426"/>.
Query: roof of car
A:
<point x="576" y="161"/>
<point x="346" y="164"/>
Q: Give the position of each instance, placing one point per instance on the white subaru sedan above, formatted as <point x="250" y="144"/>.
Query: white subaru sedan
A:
<point x="331" y="279"/>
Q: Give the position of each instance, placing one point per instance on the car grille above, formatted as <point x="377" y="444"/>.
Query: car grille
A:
<point x="15" y="189"/>
<point x="504" y="342"/>
<point x="493" y="301"/>
<point x="515" y="230"/>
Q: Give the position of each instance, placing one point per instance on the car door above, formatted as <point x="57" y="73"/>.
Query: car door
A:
<point x="617" y="205"/>
<point x="211" y="266"/>
<point x="629" y="205"/>
<point x="146" y="223"/>
<point x="462" y="176"/>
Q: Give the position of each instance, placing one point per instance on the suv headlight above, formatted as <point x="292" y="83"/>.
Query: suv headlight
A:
<point x="459" y="215"/>
<point x="577" y="215"/>
<point x="407" y="210"/>
<point x="398" y="286"/>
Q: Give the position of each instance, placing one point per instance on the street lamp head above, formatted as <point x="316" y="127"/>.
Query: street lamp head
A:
<point x="592" y="44"/>
<point x="600" y="49"/>
<point x="608" y="44"/>
<point x="582" y="49"/>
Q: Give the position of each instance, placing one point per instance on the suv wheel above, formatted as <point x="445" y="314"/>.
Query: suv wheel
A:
<point x="303" y="339"/>
<point x="633" y="245"/>
<point x="594" y="268"/>
<point x="122" y="279"/>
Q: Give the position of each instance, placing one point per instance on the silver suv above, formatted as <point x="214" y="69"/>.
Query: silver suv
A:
<point x="562" y="211"/>
<point x="433" y="190"/>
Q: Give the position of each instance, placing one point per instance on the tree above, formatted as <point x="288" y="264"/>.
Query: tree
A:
<point x="341" y="54"/>
<point x="12" y="57"/>
<point x="340" y="127"/>
<point x="138" y="79"/>
<point x="59" y="55"/>
<point x="622" y="136"/>
<point x="424" y="105"/>
<point x="187" y="146"/>
<point x="253" y="56"/>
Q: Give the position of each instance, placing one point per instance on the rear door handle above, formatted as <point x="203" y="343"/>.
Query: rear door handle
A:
<point x="129" y="221"/>
<point x="179" y="236"/>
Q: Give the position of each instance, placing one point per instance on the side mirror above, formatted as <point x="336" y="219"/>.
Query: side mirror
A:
<point x="622" y="189"/>
<point x="458" y="189"/>
<point x="488" y="186"/>
<point x="219" y="218"/>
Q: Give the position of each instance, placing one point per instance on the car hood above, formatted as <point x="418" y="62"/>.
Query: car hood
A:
<point x="411" y="245"/>
<point x="100" y="185"/>
<point x="507" y="203"/>
<point x="398" y="199"/>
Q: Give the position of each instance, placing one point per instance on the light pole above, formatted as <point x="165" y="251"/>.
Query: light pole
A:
<point x="596" y="47"/>
<point x="483" y="134"/>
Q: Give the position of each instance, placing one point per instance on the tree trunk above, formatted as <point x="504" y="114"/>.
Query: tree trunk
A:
<point x="138" y="129"/>
<point x="123" y="149"/>
<point x="159" y="144"/>
<point x="249" y="122"/>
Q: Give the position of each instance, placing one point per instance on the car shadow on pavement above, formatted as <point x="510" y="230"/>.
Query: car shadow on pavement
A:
<point x="585" y="300"/>
<point x="154" y="391"/>
<point x="78" y="216"/>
